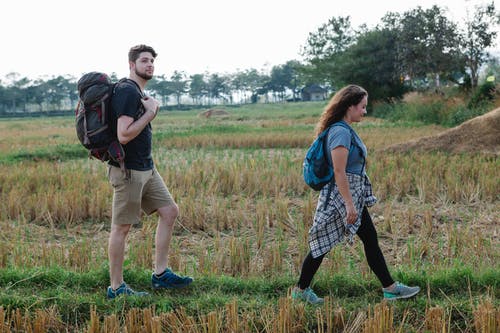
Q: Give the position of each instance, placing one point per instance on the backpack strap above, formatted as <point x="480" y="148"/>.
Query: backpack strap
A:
<point x="353" y="139"/>
<point x="132" y="82"/>
<point x="141" y="109"/>
<point x="117" y="154"/>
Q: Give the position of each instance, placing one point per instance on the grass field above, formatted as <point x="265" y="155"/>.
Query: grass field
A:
<point x="242" y="231"/>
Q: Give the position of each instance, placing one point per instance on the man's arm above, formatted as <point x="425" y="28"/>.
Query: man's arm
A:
<point x="127" y="129"/>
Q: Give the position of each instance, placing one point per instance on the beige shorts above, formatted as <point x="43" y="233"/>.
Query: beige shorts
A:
<point x="134" y="191"/>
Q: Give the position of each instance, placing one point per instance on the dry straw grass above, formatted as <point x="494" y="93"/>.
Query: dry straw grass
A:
<point x="257" y="203"/>
<point x="486" y="317"/>
<point x="436" y="320"/>
<point x="38" y="321"/>
<point x="380" y="320"/>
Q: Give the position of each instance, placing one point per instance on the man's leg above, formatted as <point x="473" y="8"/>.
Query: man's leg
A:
<point x="163" y="277"/>
<point x="155" y="195"/>
<point x="116" y="252"/>
<point x="164" y="230"/>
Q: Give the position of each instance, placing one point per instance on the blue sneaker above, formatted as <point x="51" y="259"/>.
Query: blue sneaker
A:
<point x="124" y="289"/>
<point x="400" y="291"/>
<point x="170" y="280"/>
<point x="306" y="295"/>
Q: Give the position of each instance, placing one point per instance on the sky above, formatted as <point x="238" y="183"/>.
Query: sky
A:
<point x="46" y="38"/>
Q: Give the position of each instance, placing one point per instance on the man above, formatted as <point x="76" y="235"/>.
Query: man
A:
<point x="139" y="186"/>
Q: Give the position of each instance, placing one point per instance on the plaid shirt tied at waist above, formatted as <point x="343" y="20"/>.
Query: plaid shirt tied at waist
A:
<point x="329" y="226"/>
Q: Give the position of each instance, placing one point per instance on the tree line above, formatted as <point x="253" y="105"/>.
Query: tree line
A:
<point x="416" y="49"/>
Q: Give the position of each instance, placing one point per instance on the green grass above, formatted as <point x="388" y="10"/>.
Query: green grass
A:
<point x="61" y="152"/>
<point x="72" y="294"/>
<point x="224" y="129"/>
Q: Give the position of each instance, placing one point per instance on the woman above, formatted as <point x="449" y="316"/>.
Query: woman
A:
<point x="342" y="206"/>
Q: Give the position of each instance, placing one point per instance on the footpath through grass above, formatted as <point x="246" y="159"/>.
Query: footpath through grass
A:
<point x="73" y="296"/>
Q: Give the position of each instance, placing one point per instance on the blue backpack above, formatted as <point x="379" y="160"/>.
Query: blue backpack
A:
<point x="317" y="166"/>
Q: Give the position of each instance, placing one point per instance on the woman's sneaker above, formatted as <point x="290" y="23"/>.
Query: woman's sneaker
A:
<point x="124" y="289"/>
<point x="400" y="291"/>
<point x="170" y="280"/>
<point x="306" y="295"/>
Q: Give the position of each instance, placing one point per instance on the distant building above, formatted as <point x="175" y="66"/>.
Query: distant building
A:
<point x="313" y="92"/>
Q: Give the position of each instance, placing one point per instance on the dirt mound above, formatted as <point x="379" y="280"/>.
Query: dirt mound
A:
<point x="213" y="112"/>
<point x="480" y="134"/>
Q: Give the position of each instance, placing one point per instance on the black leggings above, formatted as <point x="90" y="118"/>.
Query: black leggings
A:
<point x="374" y="256"/>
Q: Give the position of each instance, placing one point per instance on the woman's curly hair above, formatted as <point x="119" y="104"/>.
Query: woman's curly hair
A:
<point x="339" y="104"/>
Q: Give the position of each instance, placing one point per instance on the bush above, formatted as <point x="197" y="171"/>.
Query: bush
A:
<point x="439" y="110"/>
<point x="383" y="110"/>
<point x="463" y="113"/>
<point x="484" y="94"/>
<point x="432" y="113"/>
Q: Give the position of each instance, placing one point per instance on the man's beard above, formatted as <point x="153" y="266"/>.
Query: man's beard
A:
<point x="143" y="75"/>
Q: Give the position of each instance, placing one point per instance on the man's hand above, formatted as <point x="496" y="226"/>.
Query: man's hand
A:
<point x="151" y="105"/>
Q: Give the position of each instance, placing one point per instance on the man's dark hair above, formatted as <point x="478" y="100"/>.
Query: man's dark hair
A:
<point x="135" y="51"/>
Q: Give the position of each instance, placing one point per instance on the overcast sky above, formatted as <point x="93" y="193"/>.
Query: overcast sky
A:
<point x="44" y="38"/>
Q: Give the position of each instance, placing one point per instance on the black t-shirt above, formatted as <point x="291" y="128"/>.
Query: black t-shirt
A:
<point x="127" y="101"/>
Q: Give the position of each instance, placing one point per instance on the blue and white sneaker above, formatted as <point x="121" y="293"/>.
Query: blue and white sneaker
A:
<point x="170" y="280"/>
<point x="124" y="289"/>
<point x="306" y="295"/>
<point x="400" y="291"/>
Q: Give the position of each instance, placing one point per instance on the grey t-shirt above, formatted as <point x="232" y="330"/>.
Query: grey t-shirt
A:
<point x="341" y="136"/>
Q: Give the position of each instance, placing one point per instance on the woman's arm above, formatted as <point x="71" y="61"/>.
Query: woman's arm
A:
<point x="339" y="159"/>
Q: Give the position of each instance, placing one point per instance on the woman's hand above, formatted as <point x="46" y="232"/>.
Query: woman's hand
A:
<point x="352" y="214"/>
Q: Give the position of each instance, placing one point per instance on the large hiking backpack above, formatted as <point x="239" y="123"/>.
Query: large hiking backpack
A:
<point x="317" y="166"/>
<point x="93" y="114"/>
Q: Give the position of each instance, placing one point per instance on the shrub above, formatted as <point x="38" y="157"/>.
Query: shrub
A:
<point x="483" y="95"/>
<point x="433" y="109"/>
<point x="428" y="113"/>
<point x="464" y="113"/>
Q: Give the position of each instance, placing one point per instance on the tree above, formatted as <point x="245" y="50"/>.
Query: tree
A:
<point x="280" y="79"/>
<point x="372" y="63"/>
<point x="331" y="38"/>
<point x="36" y="93"/>
<point x="325" y="46"/>
<point x="68" y="88"/>
<point x="178" y="85"/>
<point x="14" y="92"/>
<point x="197" y="88"/>
<point x="161" y="87"/>
<point x="297" y="78"/>
<point x="217" y="86"/>
<point x="480" y="33"/>
<point x="285" y="77"/>
<point x="491" y="69"/>
<point x="427" y="43"/>
<point x="3" y="99"/>
<point x="237" y="85"/>
<point x="255" y="83"/>
<point x="55" y="93"/>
